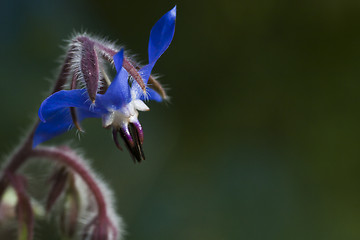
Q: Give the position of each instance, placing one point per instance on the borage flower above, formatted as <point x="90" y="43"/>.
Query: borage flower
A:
<point x="118" y="106"/>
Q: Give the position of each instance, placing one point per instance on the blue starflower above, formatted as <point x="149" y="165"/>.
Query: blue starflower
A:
<point x="118" y="106"/>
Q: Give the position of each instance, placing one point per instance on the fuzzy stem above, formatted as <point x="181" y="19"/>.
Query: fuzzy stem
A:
<point x="21" y="154"/>
<point x="65" y="71"/>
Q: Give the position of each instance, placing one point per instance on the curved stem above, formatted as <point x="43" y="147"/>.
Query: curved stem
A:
<point x="64" y="156"/>
<point x="68" y="158"/>
<point x="18" y="158"/>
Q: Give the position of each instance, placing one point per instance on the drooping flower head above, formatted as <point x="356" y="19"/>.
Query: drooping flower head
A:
<point x="118" y="106"/>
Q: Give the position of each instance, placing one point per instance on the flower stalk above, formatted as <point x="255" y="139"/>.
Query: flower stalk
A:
<point x="91" y="94"/>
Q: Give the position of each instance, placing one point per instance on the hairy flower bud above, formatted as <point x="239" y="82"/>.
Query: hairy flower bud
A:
<point x="71" y="209"/>
<point x="7" y="205"/>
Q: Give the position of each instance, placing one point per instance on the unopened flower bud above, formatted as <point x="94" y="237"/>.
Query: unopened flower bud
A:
<point x="70" y="211"/>
<point x="7" y="205"/>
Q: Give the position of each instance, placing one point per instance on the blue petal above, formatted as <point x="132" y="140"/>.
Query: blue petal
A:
<point x="65" y="99"/>
<point x="59" y="123"/>
<point x="160" y="38"/>
<point x="118" y="60"/>
<point x="151" y="95"/>
<point x="146" y="71"/>
<point x="145" y="74"/>
<point x="161" y="35"/>
<point x="84" y="113"/>
<point x="118" y="92"/>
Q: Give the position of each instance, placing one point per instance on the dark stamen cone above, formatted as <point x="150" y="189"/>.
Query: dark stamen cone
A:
<point x="139" y="131"/>
<point x="133" y="143"/>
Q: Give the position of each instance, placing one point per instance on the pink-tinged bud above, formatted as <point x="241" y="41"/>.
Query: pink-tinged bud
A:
<point x="70" y="212"/>
<point x="58" y="182"/>
<point x="7" y="205"/>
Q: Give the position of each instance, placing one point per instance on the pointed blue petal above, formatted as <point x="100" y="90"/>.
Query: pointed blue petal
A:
<point x="59" y="123"/>
<point x="152" y="95"/>
<point x="160" y="38"/>
<point x="118" y="60"/>
<point x="64" y="99"/>
<point x="118" y="92"/>
<point x="161" y="35"/>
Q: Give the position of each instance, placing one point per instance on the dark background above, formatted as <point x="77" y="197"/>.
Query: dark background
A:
<point x="261" y="138"/>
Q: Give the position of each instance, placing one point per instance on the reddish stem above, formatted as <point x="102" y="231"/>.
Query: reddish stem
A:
<point x="65" y="71"/>
<point x="21" y="154"/>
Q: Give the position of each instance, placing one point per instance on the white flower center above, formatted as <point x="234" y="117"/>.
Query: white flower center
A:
<point x="125" y="115"/>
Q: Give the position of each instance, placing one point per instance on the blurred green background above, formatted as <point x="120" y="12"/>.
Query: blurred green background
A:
<point x="261" y="138"/>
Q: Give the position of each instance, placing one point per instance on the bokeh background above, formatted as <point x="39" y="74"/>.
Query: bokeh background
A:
<point x="261" y="138"/>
